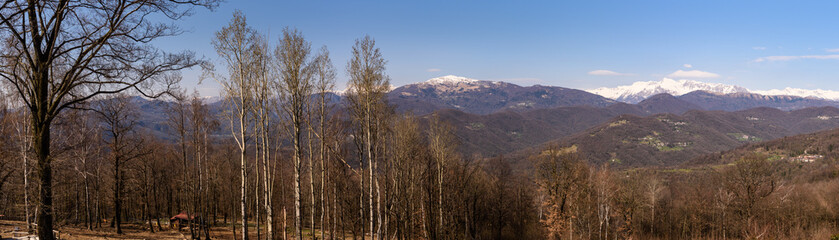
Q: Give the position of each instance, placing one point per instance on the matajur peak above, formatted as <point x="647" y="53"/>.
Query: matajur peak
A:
<point x="450" y="79"/>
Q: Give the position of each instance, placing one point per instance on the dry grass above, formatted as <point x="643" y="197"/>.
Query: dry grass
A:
<point x="133" y="231"/>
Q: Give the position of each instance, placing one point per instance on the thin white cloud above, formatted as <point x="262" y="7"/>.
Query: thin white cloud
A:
<point x="608" y="73"/>
<point x="692" y="74"/>
<point x="832" y="50"/>
<point x="433" y="70"/>
<point x="790" y="58"/>
<point x="687" y="65"/>
<point x="759" y="48"/>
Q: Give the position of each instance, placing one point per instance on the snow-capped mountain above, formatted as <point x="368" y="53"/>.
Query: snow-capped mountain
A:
<point x="639" y="91"/>
<point x="450" y="80"/>
<point x="211" y="99"/>
<point x="484" y="97"/>
<point x="456" y="84"/>
<point x="806" y="93"/>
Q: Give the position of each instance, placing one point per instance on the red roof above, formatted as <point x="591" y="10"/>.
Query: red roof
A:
<point x="182" y="216"/>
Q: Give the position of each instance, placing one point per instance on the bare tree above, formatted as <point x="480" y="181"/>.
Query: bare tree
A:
<point x="235" y="44"/>
<point x="604" y="188"/>
<point x="22" y="127"/>
<point x="263" y="103"/>
<point x="84" y="151"/>
<point x="752" y="179"/>
<point x="119" y="119"/>
<point x="295" y="89"/>
<point x="202" y="124"/>
<point x="560" y="174"/>
<point x="442" y="146"/>
<point x="368" y="86"/>
<point x="652" y="190"/>
<point x="178" y="121"/>
<point x="61" y="53"/>
<point x="324" y="72"/>
<point x="409" y="151"/>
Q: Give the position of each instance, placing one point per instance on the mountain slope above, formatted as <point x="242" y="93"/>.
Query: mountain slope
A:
<point x="741" y="100"/>
<point x="509" y="131"/>
<point x="669" y="139"/>
<point x="822" y="145"/>
<point x="485" y="97"/>
<point x="666" y="103"/>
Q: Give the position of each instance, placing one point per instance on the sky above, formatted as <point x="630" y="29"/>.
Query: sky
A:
<point x="759" y="45"/>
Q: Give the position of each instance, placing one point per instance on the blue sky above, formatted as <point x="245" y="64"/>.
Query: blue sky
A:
<point x="755" y="44"/>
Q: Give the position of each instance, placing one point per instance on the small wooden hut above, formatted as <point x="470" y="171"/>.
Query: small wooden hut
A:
<point x="182" y="220"/>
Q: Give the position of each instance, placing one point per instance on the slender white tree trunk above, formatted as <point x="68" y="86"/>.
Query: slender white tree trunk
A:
<point x="243" y="175"/>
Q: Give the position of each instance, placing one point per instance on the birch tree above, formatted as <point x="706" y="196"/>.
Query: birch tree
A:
<point x="324" y="74"/>
<point x="24" y="140"/>
<point x="202" y="124"/>
<point x="295" y="88"/>
<point x="263" y="103"/>
<point x="441" y="144"/>
<point x="368" y="85"/>
<point x="235" y="44"/>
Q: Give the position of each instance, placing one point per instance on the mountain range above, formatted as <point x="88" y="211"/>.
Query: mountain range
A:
<point x="493" y="118"/>
<point x="486" y="97"/>
<point x="639" y="91"/>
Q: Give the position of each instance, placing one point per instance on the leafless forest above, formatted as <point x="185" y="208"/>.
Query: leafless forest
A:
<point x="281" y="158"/>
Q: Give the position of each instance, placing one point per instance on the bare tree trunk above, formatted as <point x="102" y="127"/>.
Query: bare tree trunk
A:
<point x="233" y="219"/>
<point x="323" y="201"/>
<point x="98" y="199"/>
<point x="26" y="191"/>
<point x="334" y="221"/>
<point x="117" y="196"/>
<point x="361" y="201"/>
<point x="268" y="182"/>
<point x="369" y="148"/>
<point x="311" y="171"/>
<point x="256" y="192"/>
<point x="285" y="216"/>
<point x="88" y="211"/>
<point x="41" y="141"/>
<point x="378" y="209"/>
<point x="243" y="176"/>
<point x="298" y="201"/>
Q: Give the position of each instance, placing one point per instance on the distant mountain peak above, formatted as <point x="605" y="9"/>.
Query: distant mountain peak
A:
<point x="639" y="91"/>
<point x="805" y="93"/>
<point x="449" y="80"/>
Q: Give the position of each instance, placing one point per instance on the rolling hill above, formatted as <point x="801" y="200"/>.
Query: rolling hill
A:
<point x="670" y="139"/>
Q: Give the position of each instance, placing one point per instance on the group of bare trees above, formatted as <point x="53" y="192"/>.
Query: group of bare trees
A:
<point x="281" y="105"/>
<point x="753" y="197"/>
<point x="64" y="61"/>
<point x="59" y="54"/>
<point x="75" y="150"/>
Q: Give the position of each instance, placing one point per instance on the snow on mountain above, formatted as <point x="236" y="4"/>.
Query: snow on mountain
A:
<point x="449" y="80"/>
<point x="455" y="84"/>
<point x="639" y="91"/>
<point x="211" y="99"/>
<point x="817" y="93"/>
